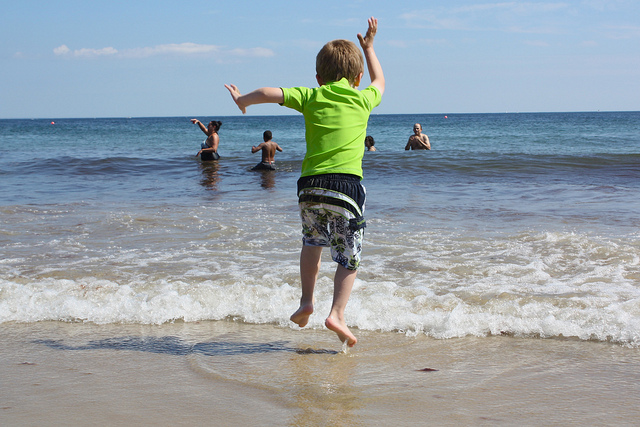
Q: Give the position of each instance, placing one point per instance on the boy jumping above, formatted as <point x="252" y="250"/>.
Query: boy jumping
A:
<point x="330" y="195"/>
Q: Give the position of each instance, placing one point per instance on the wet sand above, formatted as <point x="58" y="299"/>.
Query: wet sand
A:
<point x="231" y="373"/>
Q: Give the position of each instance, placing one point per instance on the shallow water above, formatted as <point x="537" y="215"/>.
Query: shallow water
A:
<point x="517" y="224"/>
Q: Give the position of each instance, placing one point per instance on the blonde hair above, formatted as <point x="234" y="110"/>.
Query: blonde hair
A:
<point x="338" y="59"/>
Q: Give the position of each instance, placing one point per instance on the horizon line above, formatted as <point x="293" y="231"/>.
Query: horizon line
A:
<point x="289" y="115"/>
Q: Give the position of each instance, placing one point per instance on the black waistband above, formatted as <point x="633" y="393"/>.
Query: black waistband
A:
<point x="330" y="177"/>
<point x="341" y="183"/>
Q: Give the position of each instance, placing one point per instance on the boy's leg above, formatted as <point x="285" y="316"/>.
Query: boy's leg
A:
<point x="342" y="285"/>
<point x="310" y="257"/>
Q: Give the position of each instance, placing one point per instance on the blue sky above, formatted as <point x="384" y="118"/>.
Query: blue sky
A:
<point x="168" y="58"/>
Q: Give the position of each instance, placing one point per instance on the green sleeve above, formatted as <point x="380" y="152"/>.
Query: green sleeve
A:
<point x="295" y="97"/>
<point x="373" y="96"/>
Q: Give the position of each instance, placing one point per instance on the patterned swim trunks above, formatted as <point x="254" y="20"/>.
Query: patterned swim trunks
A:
<point x="332" y="218"/>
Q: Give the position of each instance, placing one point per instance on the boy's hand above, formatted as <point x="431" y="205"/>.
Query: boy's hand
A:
<point x="367" y="41"/>
<point x="235" y="94"/>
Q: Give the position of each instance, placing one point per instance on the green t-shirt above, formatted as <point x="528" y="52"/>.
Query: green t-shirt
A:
<point x="335" y="117"/>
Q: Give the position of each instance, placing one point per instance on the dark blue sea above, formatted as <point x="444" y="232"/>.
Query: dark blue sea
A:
<point x="517" y="224"/>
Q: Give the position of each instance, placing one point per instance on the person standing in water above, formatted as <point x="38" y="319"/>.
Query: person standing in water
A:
<point x="369" y="143"/>
<point x="419" y="140"/>
<point x="269" y="149"/>
<point x="209" y="148"/>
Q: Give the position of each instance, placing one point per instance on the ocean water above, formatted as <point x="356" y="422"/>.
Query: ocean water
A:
<point x="513" y="224"/>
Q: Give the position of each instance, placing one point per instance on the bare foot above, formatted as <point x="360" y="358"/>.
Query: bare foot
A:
<point x="340" y="328"/>
<point x="301" y="316"/>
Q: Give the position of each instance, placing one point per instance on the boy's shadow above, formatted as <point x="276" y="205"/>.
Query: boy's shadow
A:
<point x="178" y="347"/>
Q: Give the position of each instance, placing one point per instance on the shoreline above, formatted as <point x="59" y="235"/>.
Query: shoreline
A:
<point x="230" y="373"/>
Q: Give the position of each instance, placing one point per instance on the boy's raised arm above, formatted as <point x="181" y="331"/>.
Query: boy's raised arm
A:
<point x="373" y="65"/>
<point x="259" y="96"/>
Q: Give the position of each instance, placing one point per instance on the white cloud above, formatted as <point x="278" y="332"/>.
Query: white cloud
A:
<point x="65" y="51"/>
<point x="173" y="49"/>
<point x="95" y="52"/>
<point x="61" y="50"/>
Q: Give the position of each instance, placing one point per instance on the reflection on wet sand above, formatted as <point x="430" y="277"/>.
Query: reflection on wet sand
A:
<point x="324" y="389"/>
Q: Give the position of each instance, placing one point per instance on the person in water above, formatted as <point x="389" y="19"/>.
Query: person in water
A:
<point x="269" y="149"/>
<point x="330" y="195"/>
<point x="419" y="140"/>
<point x="209" y="148"/>
<point x="369" y="143"/>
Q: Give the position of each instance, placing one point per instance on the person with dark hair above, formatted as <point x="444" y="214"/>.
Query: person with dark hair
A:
<point x="369" y="143"/>
<point x="209" y="148"/>
<point x="268" y="148"/>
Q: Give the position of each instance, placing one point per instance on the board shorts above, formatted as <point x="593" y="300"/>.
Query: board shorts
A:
<point x="331" y="209"/>
<point x="264" y="166"/>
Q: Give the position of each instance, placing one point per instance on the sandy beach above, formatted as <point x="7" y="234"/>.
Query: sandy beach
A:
<point x="230" y="373"/>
